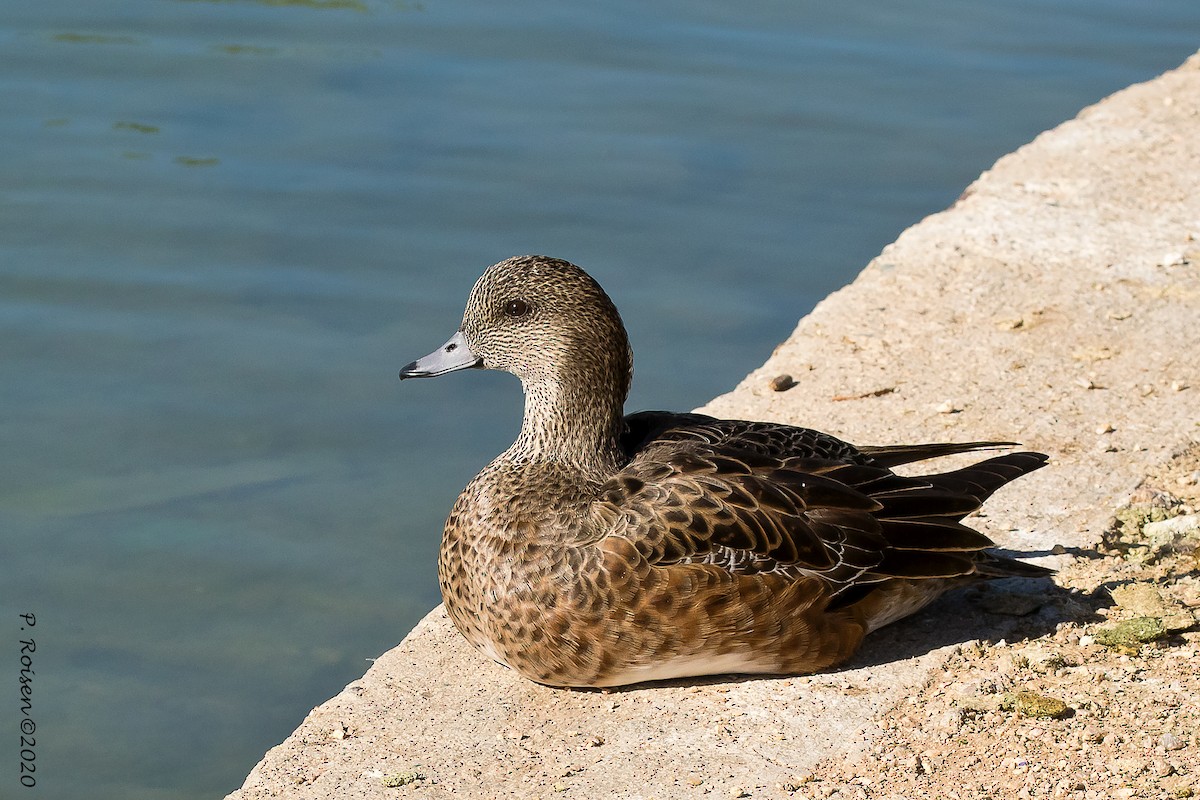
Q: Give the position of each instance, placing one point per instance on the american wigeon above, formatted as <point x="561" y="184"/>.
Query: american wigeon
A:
<point x="602" y="549"/>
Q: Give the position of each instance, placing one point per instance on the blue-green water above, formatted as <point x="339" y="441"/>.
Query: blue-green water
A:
<point x="225" y="225"/>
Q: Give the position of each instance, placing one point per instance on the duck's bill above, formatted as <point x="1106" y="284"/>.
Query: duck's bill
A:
<point x="450" y="357"/>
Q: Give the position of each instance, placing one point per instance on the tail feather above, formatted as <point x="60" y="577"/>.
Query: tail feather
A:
<point x="934" y="536"/>
<point x="920" y="516"/>
<point x="894" y="455"/>
<point x="991" y="565"/>
<point x="914" y="564"/>
<point x="981" y="480"/>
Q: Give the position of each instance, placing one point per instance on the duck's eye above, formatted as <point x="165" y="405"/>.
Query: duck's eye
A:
<point x="516" y="308"/>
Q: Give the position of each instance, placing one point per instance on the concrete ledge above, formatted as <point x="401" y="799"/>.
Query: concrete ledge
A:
<point x="1057" y="303"/>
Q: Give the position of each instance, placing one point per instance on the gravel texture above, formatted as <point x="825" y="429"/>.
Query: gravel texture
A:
<point x="1057" y="303"/>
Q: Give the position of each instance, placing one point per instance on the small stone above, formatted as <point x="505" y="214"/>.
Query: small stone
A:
<point x="694" y="781"/>
<point x="1130" y="634"/>
<point x="1173" y="529"/>
<point x="1058" y="550"/>
<point x="1096" y="354"/>
<point x="1013" y="602"/>
<point x="1120" y="315"/>
<point x="949" y="722"/>
<point x="1086" y="383"/>
<point x="948" y="407"/>
<point x="1032" y="704"/>
<point x="1172" y="260"/>
<point x="1140" y="599"/>
<point x="738" y="792"/>
<point x="1183" y="790"/>
<point x="398" y="779"/>
<point x="1161" y="768"/>
<point x="1105" y="427"/>
<point x="1170" y="741"/>
<point x="1146" y="390"/>
<point x="781" y="383"/>
<point x="1178" y="386"/>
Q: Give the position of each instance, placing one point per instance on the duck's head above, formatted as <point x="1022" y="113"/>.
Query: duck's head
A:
<point x="544" y="320"/>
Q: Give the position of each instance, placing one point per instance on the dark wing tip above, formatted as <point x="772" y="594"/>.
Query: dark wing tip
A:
<point x="894" y="455"/>
<point x="993" y="565"/>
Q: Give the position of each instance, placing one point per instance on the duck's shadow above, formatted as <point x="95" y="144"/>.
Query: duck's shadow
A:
<point x="1012" y="609"/>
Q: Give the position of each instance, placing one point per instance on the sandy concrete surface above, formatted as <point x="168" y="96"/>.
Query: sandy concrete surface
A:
<point x="1057" y="303"/>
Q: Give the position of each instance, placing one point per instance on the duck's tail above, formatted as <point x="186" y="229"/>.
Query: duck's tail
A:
<point x="993" y="565"/>
<point x="929" y="549"/>
<point x="920" y="518"/>
<point x="894" y="455"/>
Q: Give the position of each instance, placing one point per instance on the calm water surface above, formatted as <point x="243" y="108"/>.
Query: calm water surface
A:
<point x="225" y="225"/>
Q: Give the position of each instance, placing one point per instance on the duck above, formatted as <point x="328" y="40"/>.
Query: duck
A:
<point x="603" y="549"/>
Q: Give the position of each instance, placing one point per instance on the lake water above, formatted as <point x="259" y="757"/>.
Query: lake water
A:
<point x="224" y="226"/>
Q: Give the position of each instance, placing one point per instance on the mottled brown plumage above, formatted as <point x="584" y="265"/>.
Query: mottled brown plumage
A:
<point x="602" y="550"/>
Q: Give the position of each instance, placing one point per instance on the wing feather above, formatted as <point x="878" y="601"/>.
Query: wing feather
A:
<point x="761" y="497"/>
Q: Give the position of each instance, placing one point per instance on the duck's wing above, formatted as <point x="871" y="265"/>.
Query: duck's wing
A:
<point x="692" y="493"/>
<point x="768" y="438"/>
<point x="654" y="428"/>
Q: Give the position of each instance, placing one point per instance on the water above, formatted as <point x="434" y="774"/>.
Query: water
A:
<point x="225" y="225"/>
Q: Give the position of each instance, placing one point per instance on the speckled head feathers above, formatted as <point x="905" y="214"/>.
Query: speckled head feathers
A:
<point x="543" y="318"/>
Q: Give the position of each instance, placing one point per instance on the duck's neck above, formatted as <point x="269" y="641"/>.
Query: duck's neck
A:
<point x="572" y="426"/>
